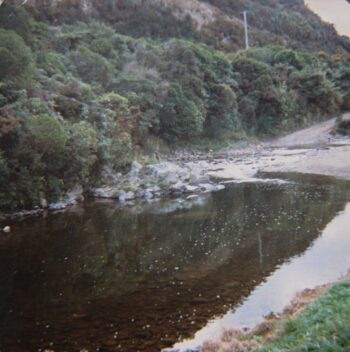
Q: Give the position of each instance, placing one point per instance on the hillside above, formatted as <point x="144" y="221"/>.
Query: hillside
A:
<point x="214" y="22"/>
<point x="88" y="86"/>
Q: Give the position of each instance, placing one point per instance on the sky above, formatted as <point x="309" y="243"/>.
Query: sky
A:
<point x="333" y="11"/>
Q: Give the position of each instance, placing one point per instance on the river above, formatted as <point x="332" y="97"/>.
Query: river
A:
<point x="101" y="277"/>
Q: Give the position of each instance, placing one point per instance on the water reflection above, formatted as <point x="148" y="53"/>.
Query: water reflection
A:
<point x="326" y="260"/>
<point x="106" y="278"/>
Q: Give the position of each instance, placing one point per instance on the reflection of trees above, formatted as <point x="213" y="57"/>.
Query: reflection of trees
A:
<point x="113" y="264"/>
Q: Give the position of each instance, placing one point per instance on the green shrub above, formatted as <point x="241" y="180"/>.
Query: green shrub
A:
<point x="17" y="19"/>
<point x="52" y="62"/>
<point x="222" y="112"/>
<point x="343" y="125"/>
<point x="92" y="67"/>
<point x="180" y="118"/>
<point x="316" y="92"/>
<point x="54" y="188"/>
<point x="253" y="74"/>
<point x="121" y="151"/>
<point x="18" y="187"/>
<point x="114" y="102"/>
<point x="15" y="56"/>
<point x="82" y="146"/>
<point x="46" y="135"/>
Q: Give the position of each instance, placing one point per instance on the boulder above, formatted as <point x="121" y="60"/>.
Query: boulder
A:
<point x="126" y="196"/>
<point x="43" y="203"/>
<point x="133" y="177"/>
<point x="58" y="205"/>
<point x="167" y="172"/>
<point x="210" y="187"/>
<point x="106" y="192"/>
<point x="135" y="168"/>
<point x="177" y="188"/>
<point x="201" y="179"/>
<point x="191" y="189"/>
<point x="144" y="193"/>
<point x="109" y="177"/>
<point x="6" y="229"/>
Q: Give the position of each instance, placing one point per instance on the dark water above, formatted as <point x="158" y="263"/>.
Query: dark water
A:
<point x="103" y="278"/>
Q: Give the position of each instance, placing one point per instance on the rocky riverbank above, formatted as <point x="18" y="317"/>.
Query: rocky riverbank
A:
<point x="156" y="181"/>
<point x="314" y="150"/>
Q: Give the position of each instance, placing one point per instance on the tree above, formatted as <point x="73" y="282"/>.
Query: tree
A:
<point x="222" y="113"/>
<point x="82" y="148"/>
<point x="180" y="117"/>
<point x="15" y="56"/>
<point x="46" y="135"/>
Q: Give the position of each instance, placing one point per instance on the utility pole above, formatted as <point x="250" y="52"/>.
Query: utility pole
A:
<point x="245" y="16"/>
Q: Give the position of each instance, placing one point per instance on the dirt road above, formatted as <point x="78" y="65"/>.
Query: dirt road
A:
<point x="321" y="152"/>
<point x="314" y="150"/>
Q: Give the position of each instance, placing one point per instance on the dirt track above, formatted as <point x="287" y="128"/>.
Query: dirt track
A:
<point x="321" y="152"/>
<point x="314" y="150"/>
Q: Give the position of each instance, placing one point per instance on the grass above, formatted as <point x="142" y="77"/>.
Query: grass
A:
<point x="324" y="326"/>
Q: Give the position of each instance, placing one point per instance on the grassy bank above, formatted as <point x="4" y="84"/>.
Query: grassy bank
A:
<point x="317" y="320"/>
<point x="323" y="326"/>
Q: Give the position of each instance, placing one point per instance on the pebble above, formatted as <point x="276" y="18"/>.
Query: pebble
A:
<point x="6" y="229"/>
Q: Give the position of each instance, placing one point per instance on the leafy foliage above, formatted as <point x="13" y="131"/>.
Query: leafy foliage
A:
<point x="15" y="55"/>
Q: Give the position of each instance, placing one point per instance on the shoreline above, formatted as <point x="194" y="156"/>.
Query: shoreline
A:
<point x="272" y="327"/>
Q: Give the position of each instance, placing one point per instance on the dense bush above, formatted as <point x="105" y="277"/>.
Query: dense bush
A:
<point x="15" y="56"/>
<point x="92" y="67"/>
<point x="180" y="117"/>
<point x="343" y="125"/>
<point x="222" y="119"/>
<point x="81" y="149"/>
<point x="17" y="19"/>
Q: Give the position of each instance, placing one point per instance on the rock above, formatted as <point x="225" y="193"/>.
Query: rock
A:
<point x="170" y="178"/>
<point x="6" y="229"/>
<point x="25" y="214"/>
<point x="134" y="181"/>
<point x="155" y="189"/>
<point x="126" y="196"/>
<point x="191" y="189"/>
<point x="58" y="206"/>
<point x="43" y="203"/>
<point x="191" y="197"/>
<point x="196" y="349"/>
<point x="177" y="188"/>
<point x="106" y="192"/>
<point x="167" y="173"/>
<point x="201" y="179"/>
<point x="140" y="193"/>
<point x="183" y="174"/>
<point x="75" y="195"/>
<point x="130" y="195"/>
<point x="109" y="177"/>
<point x="133" y="177"/>
<point x="135" y="167"/>
<point x="71" y="200"/>
<point x="209" y="187"/>
<point x="144" y="193"/>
